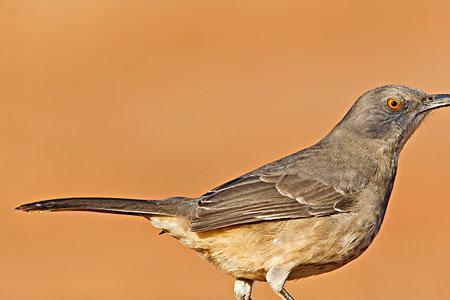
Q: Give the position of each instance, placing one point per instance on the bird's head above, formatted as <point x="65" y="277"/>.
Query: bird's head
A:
<point x="390" y="114"/>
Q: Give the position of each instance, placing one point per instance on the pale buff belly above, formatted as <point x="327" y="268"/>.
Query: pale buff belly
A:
<point x="307" y="246"/>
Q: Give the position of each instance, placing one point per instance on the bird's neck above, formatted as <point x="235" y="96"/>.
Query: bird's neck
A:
<point x="380" y="150"/>
<point x="378" y="158"/>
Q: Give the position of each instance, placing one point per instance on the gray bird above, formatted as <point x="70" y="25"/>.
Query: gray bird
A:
<point x="305" y="214"/>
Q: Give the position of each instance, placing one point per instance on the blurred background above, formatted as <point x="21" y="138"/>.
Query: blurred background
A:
<point x="150" y="99"/>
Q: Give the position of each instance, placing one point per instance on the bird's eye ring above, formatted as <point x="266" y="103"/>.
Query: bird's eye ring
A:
<point x="393" y="104"/>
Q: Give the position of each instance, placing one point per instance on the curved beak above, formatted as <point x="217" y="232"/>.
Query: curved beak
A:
<point x="435" y="101"/>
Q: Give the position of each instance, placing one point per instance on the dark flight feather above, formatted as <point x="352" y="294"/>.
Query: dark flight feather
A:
<point x="262" y="198"/>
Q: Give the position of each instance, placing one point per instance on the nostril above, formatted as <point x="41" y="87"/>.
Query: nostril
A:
<point x="430" y="98"/>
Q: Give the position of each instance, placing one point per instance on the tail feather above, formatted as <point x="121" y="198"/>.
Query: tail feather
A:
<point x="167" y="207"/>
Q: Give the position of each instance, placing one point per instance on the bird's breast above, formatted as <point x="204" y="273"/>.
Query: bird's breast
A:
<point x="336" y="241"/>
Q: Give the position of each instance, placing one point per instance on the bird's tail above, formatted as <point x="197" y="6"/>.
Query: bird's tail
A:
<point x="167" y="207"/>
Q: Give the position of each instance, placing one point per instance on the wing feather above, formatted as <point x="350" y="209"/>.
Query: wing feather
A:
<point x="255" y="198"/>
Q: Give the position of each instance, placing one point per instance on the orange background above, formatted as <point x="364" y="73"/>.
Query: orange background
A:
<point x="155" y="98"/>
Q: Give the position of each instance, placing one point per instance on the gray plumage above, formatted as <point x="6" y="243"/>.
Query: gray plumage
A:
<point x="329" y="199"/>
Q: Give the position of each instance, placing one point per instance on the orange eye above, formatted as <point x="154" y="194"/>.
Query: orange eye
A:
<point x="393" y="104"/>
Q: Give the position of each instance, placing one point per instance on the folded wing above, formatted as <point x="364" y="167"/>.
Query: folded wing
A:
<point x="255" y="198"/>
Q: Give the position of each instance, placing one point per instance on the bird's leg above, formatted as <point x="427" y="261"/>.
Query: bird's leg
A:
<point x="242" y="289"/>
<point x="285" y="295"/>
<point x="276" y="278"/>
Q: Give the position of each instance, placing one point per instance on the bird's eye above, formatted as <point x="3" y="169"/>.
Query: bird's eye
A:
<point x="393" y="104"/>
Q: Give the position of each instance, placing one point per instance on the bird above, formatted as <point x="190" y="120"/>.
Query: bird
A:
<point x="308" y="213"/>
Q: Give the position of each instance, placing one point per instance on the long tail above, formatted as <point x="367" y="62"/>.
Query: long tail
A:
<point x="168" y="207"/>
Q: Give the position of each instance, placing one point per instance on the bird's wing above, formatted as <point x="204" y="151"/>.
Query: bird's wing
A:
<point x="254" y="198"/>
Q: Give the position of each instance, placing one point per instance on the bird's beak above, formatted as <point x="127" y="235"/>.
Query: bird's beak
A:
<point x="435" y="101"/>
